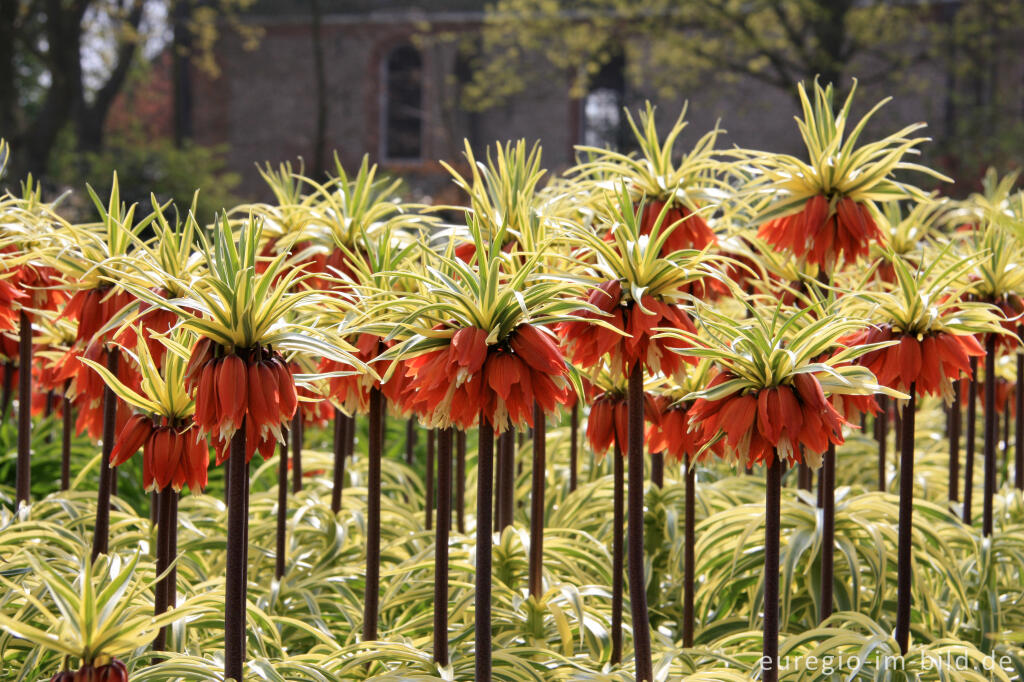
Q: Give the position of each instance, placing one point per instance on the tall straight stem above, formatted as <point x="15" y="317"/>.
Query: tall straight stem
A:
<point x="972" y="419"/>
<point x="990" y="434"/>
<point x="160" y="590"/>
<point x="410" y="440"/>
<point x="537" y="501"/>
<point x="635" y="512"/>
<point x="574" y="427"/>
<point x="618" y="548"/>
<point x="428" y="489"/>
<point x="282" y="507"/>
<point x="297" y="445"/>
<point x="955" y="420"/>
<point x="482" y="599"/>
<point x="23" y="475"/>
<point x="375" y="449"/>
<point x="102" y="531"/>
<point x="341" y="423"/>
<point x="67" y="424"/>
<point x="658" y="469"/>
<point x="444" y="516"/>
<point x="237" y="557"/>
<point x="828" y="530"/>
<point x="508" y="479"/>
<point x="904" y="568"/>
<point x="772" y="522"/>
<point x="1018" y="446"/>
<point x="460" y="480"/>
<point x="882" y="429"/>
<point x="689" y="540"/>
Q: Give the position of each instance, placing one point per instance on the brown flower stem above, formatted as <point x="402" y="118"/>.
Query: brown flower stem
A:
<point x="1018" y="450"/>
<point x="955" y="420"/>
<point x="804" y="477"/>
<point x="772" y="523"/>
<point x="67" y="425"/>
<point x="618" y="542"/>
<point x="574" y="427"/>
<point x="376" y="450"/>
<point x="689" y="540"/>
<point x="990" y="434"/>
<point x="1005" y="473"/>
<point x="341" y="423"/>
<point x="160" y="590"/>
<point x="828" y="530"/>
<point x="882" y="434"/>
<point x="237" y="557"/>
<point x="23" y="468"/>
<point x="537" y="501"/>
<point x="5" y="399"/>
<point x="410" y="440"/>
<point x="282" y="506"/>
<point x="658" y="469"/>
<point x="297" y="445"/>
<point x="102" y="531"/>
<point x="482" y="600"/>
<point x="972" y="418"/>
<point x="444" y="515"/>
<point x="460" y="480"/>
<point x="635" y="512"/>
<point x="428" y="486"/>
<point x="904" y="568"/>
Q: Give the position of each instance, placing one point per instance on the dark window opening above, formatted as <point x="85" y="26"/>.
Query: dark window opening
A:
<point x="403" y="106"/>
<point x="603" y="120"/>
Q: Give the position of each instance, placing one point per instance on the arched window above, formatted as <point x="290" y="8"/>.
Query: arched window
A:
<point x="403" y="104"/>
<point x="602" y="107"/>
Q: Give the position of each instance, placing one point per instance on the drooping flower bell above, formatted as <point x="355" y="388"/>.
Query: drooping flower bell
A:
<point x="172" y="455"/>
<point x="930" y="361"/>
<point x="607" y="424"/>
<point x="115" y="671"/>
<point x="455" y="384"/>
<point x="822" y="230"/>
<point x="252" y="388"/>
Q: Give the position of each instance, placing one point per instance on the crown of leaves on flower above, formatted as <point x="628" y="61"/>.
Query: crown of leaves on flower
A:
<point x="998" y="271"/>
<point x="766" y="350"/>
<point x="99" y="614"/>
<point x="493" y="293"/>
<point x="92" y="253"/>
<point x="910" y="231"/>
<point x="293" y="212"/>
<point x="636" y="259"/>
<point x="657" y="173"/>
<point x="229" y="302"/>
<point x="928" y="299"/>
<point x="995" y="203"/>
<point x="502" y="192"/>
<point x="349" y="209"/>
<point x="162" y="390"/>
<point x="837" y="167"/>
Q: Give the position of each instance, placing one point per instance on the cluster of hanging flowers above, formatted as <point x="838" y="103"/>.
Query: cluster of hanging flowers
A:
<point x="253" y="388"/>
<point x="822" y="230"/>
<point x="172" y="455"/>
<point x="455" y="384"/>
<point x="777" y="419"/>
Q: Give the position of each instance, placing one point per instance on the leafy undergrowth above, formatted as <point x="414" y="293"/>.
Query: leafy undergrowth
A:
<point x="968" y="593"/>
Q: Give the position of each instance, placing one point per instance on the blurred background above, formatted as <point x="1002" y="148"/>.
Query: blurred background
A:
<point x="185" y="94"/>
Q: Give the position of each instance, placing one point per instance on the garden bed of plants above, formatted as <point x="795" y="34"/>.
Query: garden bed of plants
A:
<point x="704" y="414"/>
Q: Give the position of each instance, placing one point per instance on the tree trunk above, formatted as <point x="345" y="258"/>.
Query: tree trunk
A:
<point x="320" y="90"/>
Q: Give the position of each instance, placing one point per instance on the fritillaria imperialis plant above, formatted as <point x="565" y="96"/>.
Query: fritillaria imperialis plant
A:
<point x="766" y="404"/>
<point x="243" y="391"/>
<point x="823" y="209"/>
<point x="476" y="354"/>
<point x="633" y="290"/>
<point x="930" y="329"/>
